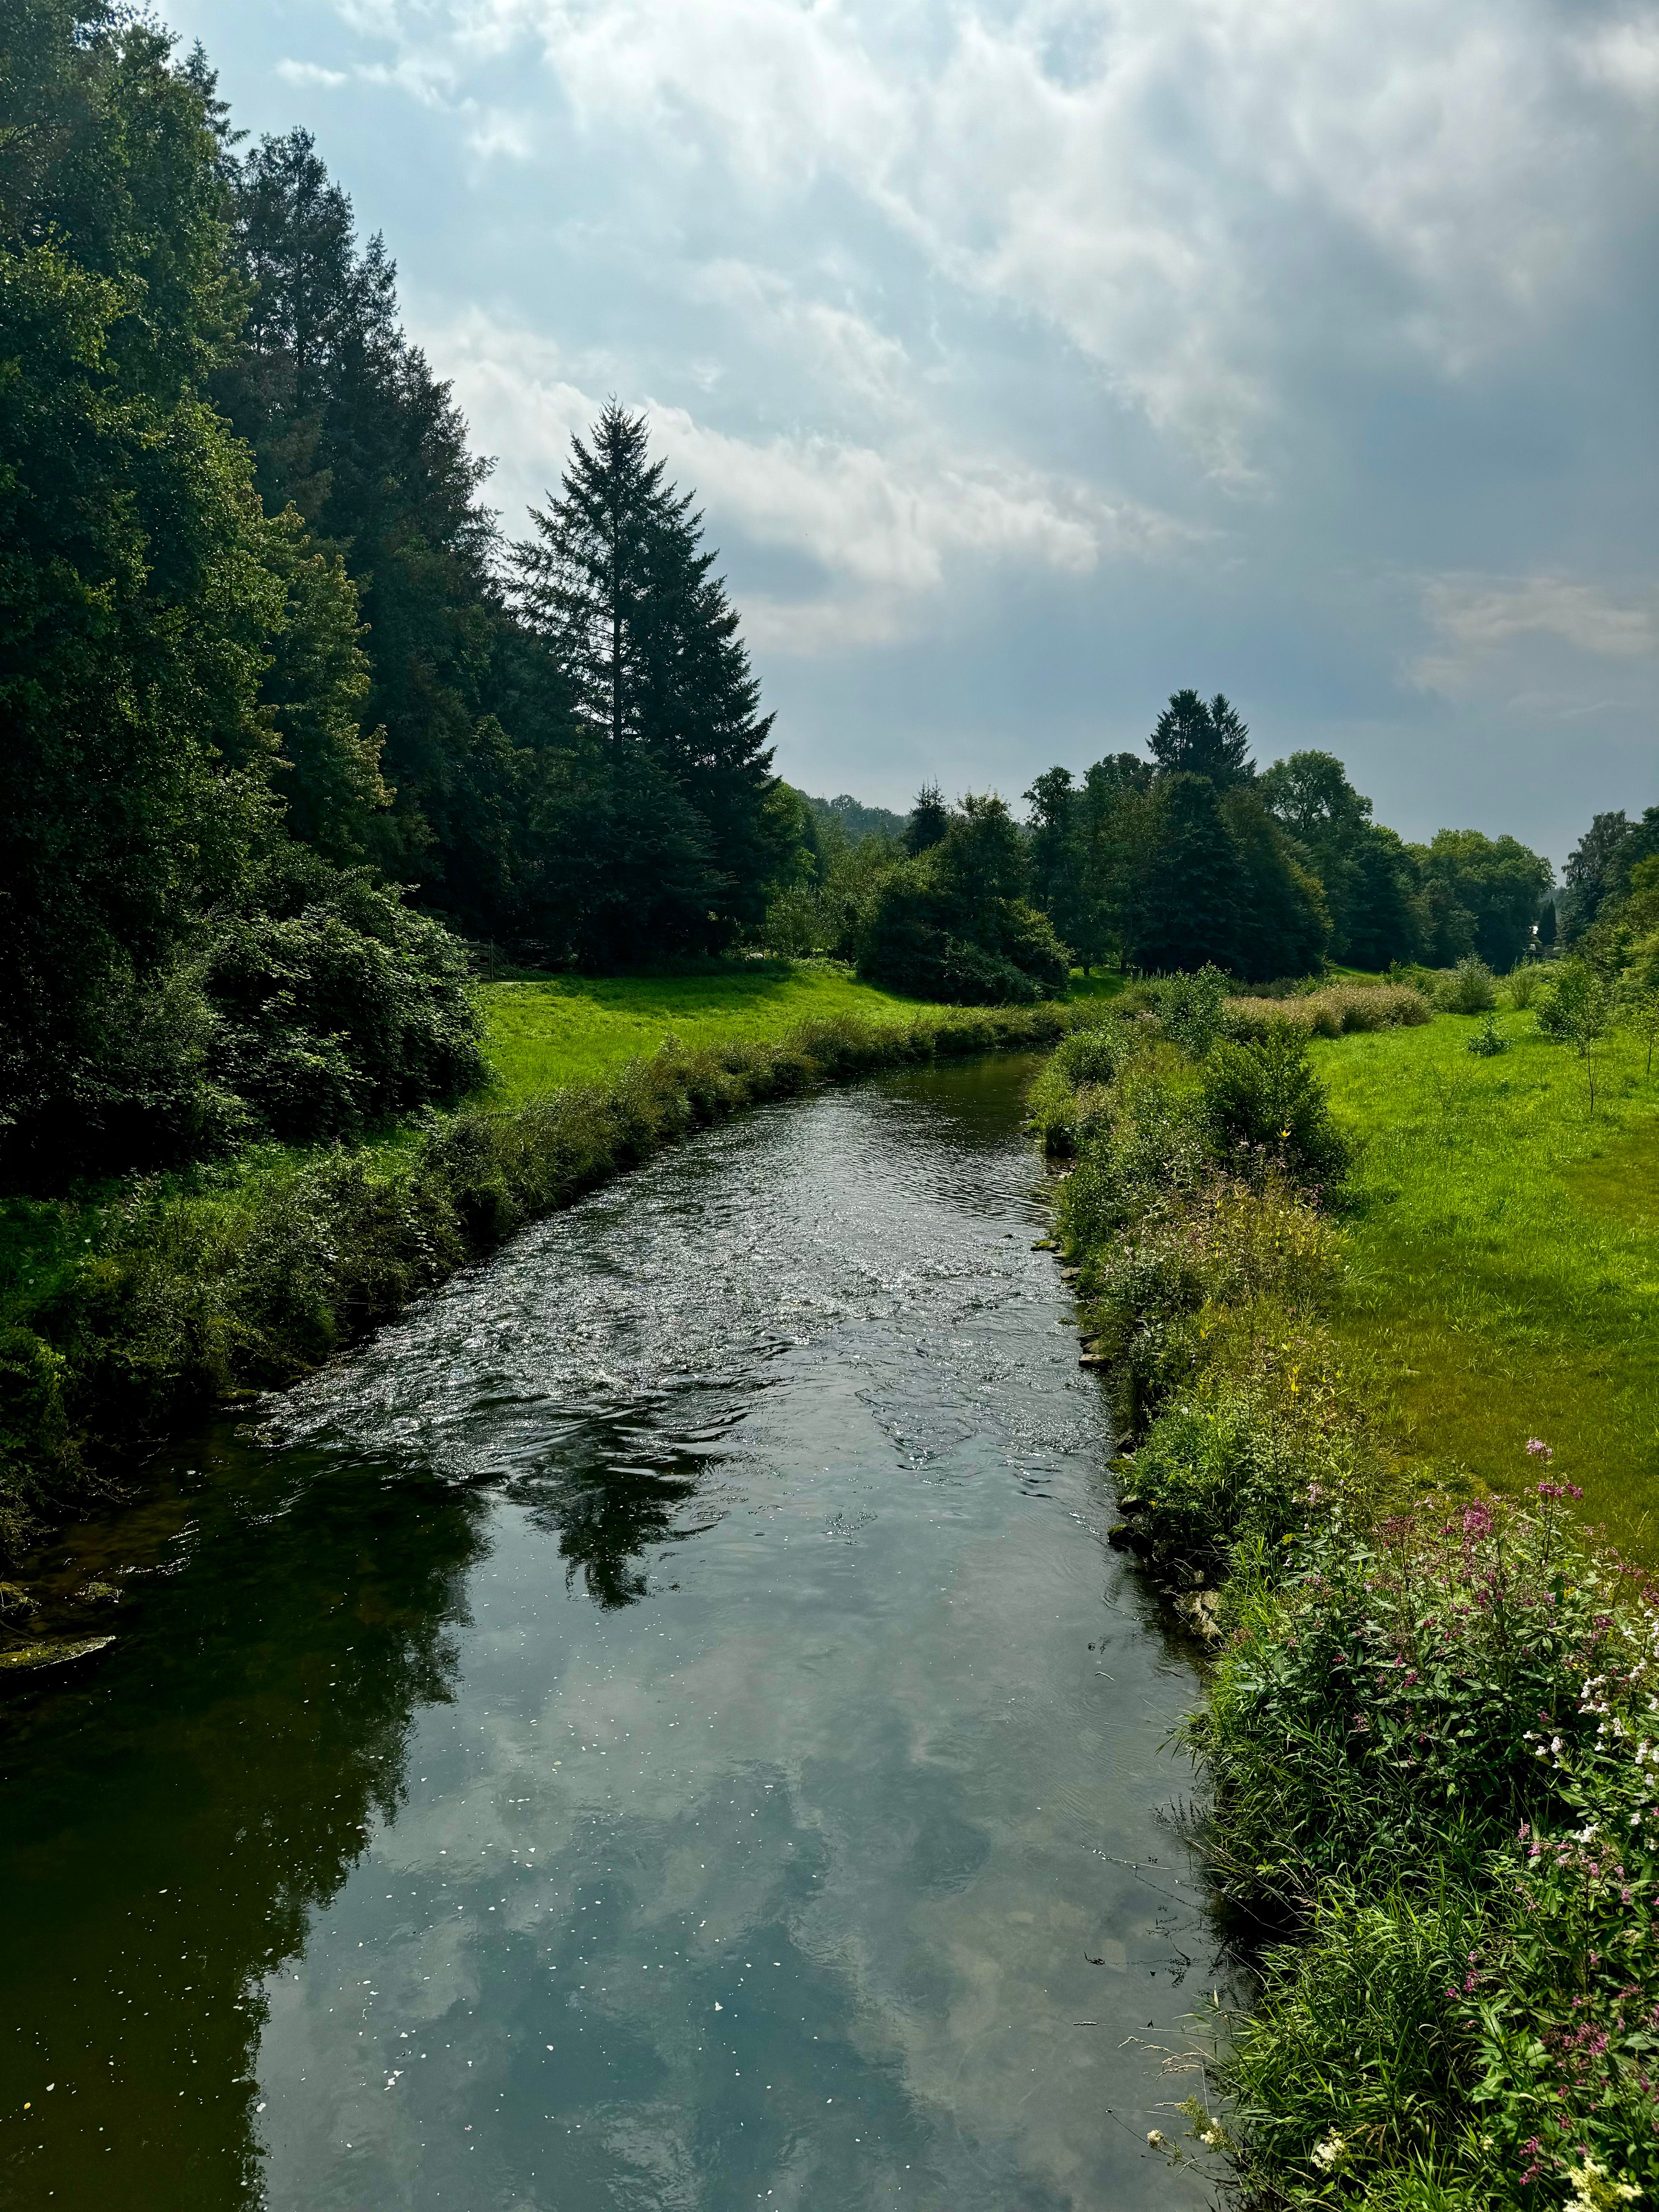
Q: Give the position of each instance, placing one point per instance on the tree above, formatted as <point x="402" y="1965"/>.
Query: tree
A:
<point x="1059" y="863"/>
<point x="1196" y="736"/>
<point x="929" y="819"/>
<point x="135" y="600"/>
<point x="348" y="422"/>
<point x="953" y="922"/>
<point x="1284" y="923"/>
<point x="617" y="583"/>
<point x="1592" y="874"/>
<point x="1481" y="894"/>
<point x="1578" y="1008"/>
<point x="1189" y="891"/>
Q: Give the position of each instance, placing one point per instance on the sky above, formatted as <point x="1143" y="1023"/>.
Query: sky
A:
<point x="1033" y="358"/>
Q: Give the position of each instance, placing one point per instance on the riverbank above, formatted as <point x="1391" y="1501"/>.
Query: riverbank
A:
<point x="1424" y="1734"/>
<point x="1501" y="1275"/>
<point x="124" y="1317"/>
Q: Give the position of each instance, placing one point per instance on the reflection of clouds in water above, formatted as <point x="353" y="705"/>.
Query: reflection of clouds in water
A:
<point x="863" y="1735"/>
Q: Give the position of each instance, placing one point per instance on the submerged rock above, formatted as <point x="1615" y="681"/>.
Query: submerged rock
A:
<point x="54" y="1651"/>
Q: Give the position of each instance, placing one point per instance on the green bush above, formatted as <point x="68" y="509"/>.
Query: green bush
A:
<point x="1263" y="1104"/>
<point x="337" y="1006"/>
<point x="1354" y="2069"/>
<point x="1191" y="1006"/>
<point x="1470" y="988"/>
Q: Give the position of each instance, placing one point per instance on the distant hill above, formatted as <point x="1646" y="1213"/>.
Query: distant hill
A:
<point x="857" y="823"/>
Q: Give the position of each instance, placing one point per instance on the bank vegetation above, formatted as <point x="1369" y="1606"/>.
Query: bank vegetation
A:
<point x="1428" y="1732"/>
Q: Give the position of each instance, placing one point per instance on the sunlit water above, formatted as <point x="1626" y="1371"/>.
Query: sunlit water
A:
<point x="661" y="1728"/>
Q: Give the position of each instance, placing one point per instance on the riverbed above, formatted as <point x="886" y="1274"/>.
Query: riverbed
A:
<point x="661" y="1727"/>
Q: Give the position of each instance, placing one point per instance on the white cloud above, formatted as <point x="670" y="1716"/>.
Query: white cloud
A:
<point x="312" y="74"/>
<point x="1627" y="55"/>
<point x="1480" y="619"/>
<point x="879" y="526"/>
<point x="1195" y="192"/>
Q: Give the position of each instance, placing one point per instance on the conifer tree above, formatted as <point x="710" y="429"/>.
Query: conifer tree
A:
<point x="1198" y="736"/>
<point x="617" y="583"/>
<point x="929" y="818"/>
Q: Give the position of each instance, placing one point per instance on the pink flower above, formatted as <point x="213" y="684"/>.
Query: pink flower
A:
<point x="1537" y="1449"/>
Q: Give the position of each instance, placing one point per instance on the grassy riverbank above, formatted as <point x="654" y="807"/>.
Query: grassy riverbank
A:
<point x="545" y="1030"/>
<point x="1426" y="1733"/>
<point x="1502" y="1276"/>
<point x="130" y="1312"/>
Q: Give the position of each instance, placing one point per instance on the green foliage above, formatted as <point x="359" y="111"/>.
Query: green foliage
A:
<point x="680" y="846"/>
<point x="1488" y="1040"/>
<point x="952" y="923"/>
<point x="1577" y="1006"/>
<point x="855" y="822"/>
<point x="1364" y="870"/>
<point x="1192" y="1007"/>
<point x="334" y="1006"/>
<point x="1482" y="895"/>
<point x="1263" y="1102"/>
<point x="929" y="820"/>
<point x="1470" y="988"/>
<point x="1203" y="737"/>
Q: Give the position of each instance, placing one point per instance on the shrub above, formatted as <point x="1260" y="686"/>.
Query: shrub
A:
<point x="1521" y="985"/>
<point x="1263" y="1103"/>
<point x="336" y="1005"/>
<point x="1191" y="1005"/>
<point x="1069" y="1094"/>
<point x="1488" y="1040"/>
<point x="1470" y="988"/>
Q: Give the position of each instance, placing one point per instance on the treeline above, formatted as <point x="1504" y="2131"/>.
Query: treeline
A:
<point x="1187" y="856"/>
<point x="288" y="715"/>
<point x="270" y="678"/>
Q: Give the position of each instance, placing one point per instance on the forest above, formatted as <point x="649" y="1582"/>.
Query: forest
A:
<point x="299" y="729"/>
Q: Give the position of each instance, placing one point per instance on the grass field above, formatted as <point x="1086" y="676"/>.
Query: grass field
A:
<point x="573" y="1029"/>
<point x="1504" y="1256"/>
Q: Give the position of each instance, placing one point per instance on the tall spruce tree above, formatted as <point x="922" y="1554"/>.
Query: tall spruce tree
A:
<point x="929" y="819"/>
<point x="1190" y="895"/>
<point x="1201" y="737"/>
<point x="617" y="584"/>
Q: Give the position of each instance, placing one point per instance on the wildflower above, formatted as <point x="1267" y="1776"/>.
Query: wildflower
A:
<point x="1155" y="2136"/>
<point x="1537" y="1449"/>
<point x="1325" y="2154"/>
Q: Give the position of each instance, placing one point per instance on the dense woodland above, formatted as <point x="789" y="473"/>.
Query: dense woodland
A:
<point x="294" y="723"/>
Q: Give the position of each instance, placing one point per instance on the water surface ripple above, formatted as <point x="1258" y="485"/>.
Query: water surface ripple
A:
<point x="647" y="1732"/>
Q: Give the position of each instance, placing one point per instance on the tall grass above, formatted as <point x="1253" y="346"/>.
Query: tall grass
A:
<point x="1430" y="1730"/>
<point x="186" y="1296"/>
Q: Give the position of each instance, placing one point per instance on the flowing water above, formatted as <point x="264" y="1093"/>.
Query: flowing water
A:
<point x="661" y="1727"/>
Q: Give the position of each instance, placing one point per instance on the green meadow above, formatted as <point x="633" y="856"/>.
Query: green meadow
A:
<point x="548" y="1031"/>
<point x="1503" y="1278"/>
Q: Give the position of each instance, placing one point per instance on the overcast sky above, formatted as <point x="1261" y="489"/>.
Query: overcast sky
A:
<point x="1032" y="358"/>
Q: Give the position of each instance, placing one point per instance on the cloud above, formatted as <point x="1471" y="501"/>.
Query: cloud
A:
<point x="876" y="526"/>
<point x="1481" y="618"/>
<point x="1195" y="194"/>
<point x="313" y="74"/>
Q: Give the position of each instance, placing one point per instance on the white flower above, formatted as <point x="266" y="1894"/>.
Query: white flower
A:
<point x="1155" y="2136"/>
<point x="1326" y="2153"/>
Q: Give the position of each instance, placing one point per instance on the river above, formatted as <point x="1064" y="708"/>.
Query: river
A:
<point x="659" y="1727"/>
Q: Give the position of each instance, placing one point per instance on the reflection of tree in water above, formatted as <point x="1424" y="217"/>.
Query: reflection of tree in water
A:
<point x="174" y="1818"/>
<point x="610" y="1505"/>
